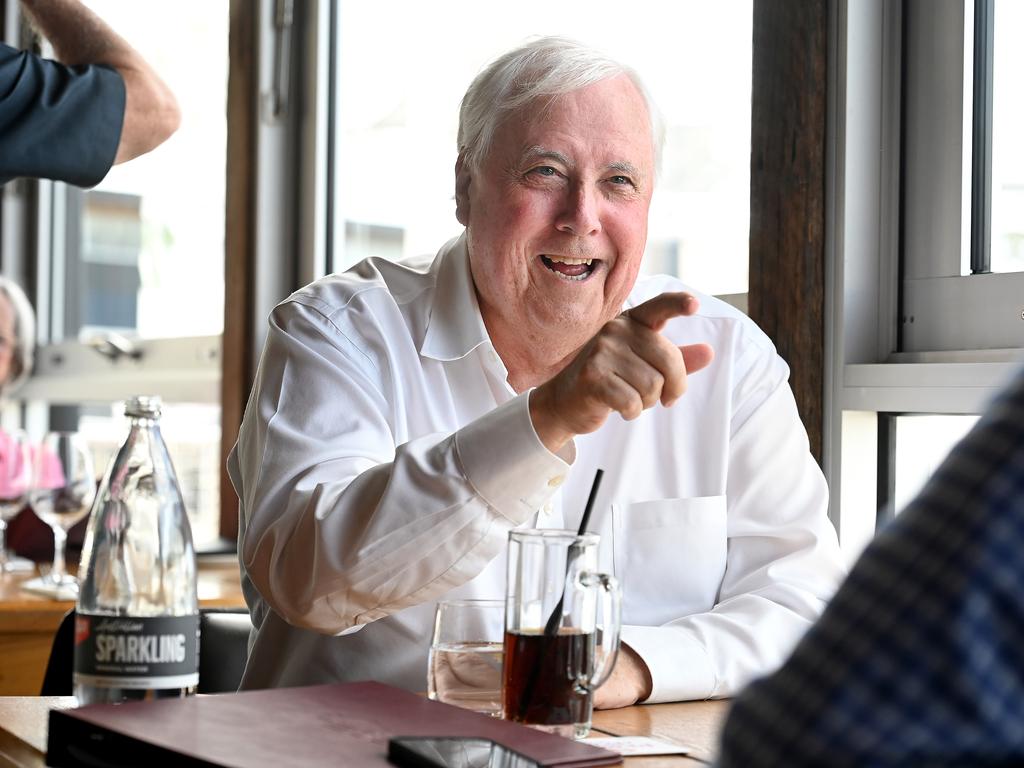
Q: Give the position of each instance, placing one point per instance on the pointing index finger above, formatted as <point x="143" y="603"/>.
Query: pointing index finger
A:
<point x="654" y="313"/>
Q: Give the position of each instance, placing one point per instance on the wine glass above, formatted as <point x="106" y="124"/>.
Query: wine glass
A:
<point x="63" y="488"/>
<point x="15" y="478"/>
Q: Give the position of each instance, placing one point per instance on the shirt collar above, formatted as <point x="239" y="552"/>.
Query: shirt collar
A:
<point x="455" y="327"/>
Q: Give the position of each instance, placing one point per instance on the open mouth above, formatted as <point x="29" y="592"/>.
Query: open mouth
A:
<point x="574" y="270"/>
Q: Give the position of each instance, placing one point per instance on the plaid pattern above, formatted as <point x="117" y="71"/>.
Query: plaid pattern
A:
<point x="919" y="658"/>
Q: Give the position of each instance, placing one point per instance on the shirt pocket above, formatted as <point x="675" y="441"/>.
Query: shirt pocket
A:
<point x="670" y="557"/>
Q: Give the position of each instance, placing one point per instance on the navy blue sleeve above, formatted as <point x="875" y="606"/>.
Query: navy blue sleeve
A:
<point x="57" y="122"/>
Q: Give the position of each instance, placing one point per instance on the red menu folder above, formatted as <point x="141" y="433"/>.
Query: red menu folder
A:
<point x="344" y="724"/>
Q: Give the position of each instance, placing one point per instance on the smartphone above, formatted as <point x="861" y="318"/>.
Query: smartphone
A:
<point x="454" y="752"/>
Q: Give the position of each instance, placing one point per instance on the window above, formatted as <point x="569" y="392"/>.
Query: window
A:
<point x="926" y="315"/>
<point x="136" y="266"/>
<point x="949" y="207"/>
<point x="922" y="442"/>
<point x="395" y="135"/>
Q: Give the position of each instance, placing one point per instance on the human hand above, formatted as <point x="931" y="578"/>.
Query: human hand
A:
<point x="629" y="682"/>
<point x="627" y="367"/>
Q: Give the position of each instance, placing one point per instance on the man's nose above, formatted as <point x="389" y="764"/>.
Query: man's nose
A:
<point x="581" y="214"/>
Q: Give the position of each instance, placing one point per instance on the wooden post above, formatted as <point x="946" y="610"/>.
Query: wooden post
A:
<point x="787" y="192"/>
<point x="239" y="249"/>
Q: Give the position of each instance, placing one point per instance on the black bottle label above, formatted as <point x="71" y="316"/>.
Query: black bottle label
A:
<point x="137" y="652"/>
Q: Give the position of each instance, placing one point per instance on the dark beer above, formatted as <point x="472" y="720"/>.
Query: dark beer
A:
<point x="540" y="677"/>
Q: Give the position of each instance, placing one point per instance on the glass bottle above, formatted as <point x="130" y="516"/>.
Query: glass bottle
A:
<point x="137" y="623"/>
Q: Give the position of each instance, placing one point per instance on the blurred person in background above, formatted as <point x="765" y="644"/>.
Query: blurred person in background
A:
<point x="17" y="336"/>
<point x="17" y="341"/>
<point x="99" y="104"/>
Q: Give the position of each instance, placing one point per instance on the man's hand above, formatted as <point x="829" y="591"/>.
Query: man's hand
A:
<point x="627" y="367"/>
<point x="629" y="683"/>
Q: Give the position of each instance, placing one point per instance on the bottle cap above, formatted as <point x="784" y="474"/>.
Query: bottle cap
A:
<point x="143" y="406"/>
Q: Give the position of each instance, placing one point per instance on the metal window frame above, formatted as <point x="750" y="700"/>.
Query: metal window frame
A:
<point x="183" y="369"/>
<point x="981" y="137"/>
<point x="885" y="490"/>
<point x="873" y="362"/>
<point x="944" y="310"/>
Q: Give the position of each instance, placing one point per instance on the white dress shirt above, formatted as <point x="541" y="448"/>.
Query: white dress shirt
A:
<point x="383" y="458"/>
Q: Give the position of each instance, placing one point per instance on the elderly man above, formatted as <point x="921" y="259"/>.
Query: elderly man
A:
<point x="407" y="415"/>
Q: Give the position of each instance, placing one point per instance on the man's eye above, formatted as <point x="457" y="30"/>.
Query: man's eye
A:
<point x="545" y="170"/>
<point x="621" y="180"/>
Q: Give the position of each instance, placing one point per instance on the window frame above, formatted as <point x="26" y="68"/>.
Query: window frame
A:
<point x="181" y="369"/>
<point x="869" y="367"/>
<point x="946" y="186"/>
<point x="277" y="198"/>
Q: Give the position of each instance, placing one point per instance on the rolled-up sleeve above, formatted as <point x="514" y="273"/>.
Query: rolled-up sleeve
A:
<point x="58" y="122"/>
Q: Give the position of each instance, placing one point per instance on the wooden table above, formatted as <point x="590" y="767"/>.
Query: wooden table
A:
<point x="23" y="728"/>
<point x="28" y="621"/>
<point x="695" y="724"/>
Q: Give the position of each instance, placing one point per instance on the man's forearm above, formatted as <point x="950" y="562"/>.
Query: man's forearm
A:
<point x="80" y="37"/>
<point x="630" y="682"/>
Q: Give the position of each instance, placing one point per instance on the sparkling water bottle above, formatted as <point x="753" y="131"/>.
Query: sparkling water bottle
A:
<point x="137" y="624"/>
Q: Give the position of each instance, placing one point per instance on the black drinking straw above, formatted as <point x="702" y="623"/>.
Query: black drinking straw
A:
<point x="551" y="628"/>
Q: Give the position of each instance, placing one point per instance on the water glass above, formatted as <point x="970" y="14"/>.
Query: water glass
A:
<point x="464" y="668"/>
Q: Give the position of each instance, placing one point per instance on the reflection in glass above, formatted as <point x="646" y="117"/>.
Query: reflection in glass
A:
<point x="192" y="433"/>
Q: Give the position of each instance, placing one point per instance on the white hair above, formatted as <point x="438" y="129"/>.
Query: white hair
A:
<point x="24" y="339"/>
<point x="545" y="67"/>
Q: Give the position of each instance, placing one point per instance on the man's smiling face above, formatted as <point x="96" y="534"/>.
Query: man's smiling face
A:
<point x="556" y="216"/>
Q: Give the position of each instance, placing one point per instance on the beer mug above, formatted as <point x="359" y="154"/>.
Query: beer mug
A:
<point x="562" y="621"/>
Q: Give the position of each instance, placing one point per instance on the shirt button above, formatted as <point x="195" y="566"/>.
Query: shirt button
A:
<point x="546" y="509"/>
<point x="556" y="481"/>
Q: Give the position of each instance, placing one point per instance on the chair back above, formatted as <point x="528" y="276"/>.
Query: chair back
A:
<point x="223" y="648"/>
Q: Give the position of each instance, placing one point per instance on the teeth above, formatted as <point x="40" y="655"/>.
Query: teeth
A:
<point x="571" y="262"/>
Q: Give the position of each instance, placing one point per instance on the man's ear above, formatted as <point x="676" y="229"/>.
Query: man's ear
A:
<point x="462" y="180"/>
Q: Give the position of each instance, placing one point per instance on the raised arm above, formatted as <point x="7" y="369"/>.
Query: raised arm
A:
<point x="81" y="37"/>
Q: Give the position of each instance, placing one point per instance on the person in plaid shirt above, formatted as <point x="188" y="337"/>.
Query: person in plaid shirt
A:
<point x="919" y="658"/>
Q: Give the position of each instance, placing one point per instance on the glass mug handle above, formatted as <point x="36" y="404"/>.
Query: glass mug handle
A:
<point x="611" y="609"/>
